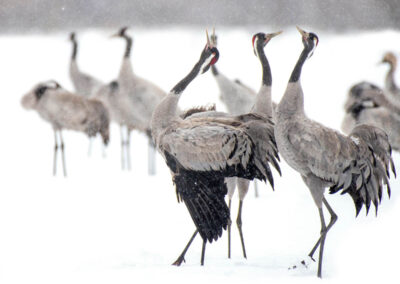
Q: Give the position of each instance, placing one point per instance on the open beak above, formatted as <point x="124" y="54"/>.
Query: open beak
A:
<point x="213" y="38"/>
<point x="211" y="41"/>
<point x="208" y="39"/>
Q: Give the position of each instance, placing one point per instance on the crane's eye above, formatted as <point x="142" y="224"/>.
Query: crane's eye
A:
<point x="40" y="91"/>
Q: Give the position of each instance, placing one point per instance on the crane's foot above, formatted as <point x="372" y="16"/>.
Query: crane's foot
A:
<point x="179" y="261"/>
<point x="310" y="256"/>
<point x="304" y="264"/>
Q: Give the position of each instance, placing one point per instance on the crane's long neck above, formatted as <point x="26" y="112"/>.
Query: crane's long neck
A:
<point x="165" y="111"/>
<point x="73" y="65"/>
<point x="295" y="77"/>
<point x="181" y="86"/>
<point x="126" y="70"/>
<point x="263" y="102"/>
<point x="292" y="102"/>
<point x="390" y="83"/>
<point x="214" y="70"/>
<point x="74" y="50"/>
<point x="128" y="46"/>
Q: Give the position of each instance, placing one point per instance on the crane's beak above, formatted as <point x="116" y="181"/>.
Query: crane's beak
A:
<point x="303" y="33"/>
<point x="114" y="35"/>
<point x="208" y="38"/>
<point x="274" y="34"/>
<point x="213" y="38"/>
<point x="268" y="37"/>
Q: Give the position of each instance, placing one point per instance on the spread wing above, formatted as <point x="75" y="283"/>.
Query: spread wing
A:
<point x="206" y="147"/>
<point x="215" y="144"/>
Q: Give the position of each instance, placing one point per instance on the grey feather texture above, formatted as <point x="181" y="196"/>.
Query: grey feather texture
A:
<point x="65" y="110"/>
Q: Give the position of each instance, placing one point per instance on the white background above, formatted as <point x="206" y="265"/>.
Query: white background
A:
<point x="102" y="225"/>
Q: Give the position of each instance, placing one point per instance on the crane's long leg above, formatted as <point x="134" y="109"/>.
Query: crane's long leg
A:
<point x="229" y="229"/>
<point x="151" y="158"/>
<point x="121" y="128"/>
<point x="231" y="185"/>
<point x="181" y="258"/>
<point x="62" y="153"/>
<point x="239" y="225"/>
<point x="243" y="188"/>
<point x="322" y="242"/>
<point x="55" y="153"/>
<point x="203" y="252"/>
<point x="128" y="149"/>
<point x="255" y="188"/>
<point x="103" y="150"/>
<point x="90" y="146"/>
<point x="333" y="220"/>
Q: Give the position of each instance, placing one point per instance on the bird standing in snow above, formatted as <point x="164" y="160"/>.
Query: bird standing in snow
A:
<point x="65" y="110"/>
<point x="356" y="164"/>
<point x="261" y="105"/>
<point x="201" y="152"/>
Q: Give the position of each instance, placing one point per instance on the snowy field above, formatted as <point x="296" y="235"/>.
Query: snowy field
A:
<point x="102" y="225"/>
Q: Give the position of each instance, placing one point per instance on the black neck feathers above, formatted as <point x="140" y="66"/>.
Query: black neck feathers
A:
<point x="74" y="49"/>
<point x="128" y="46"/>
<point x="266" y="69"/>
<point x="205" y="55"/>
<point x="299" y="65"/>
<point x="181" y="86"/>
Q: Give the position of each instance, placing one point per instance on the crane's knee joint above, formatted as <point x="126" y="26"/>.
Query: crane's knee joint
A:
<point x="239" y="222"/>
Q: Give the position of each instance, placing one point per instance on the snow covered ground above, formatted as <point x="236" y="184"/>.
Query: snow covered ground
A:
<point x="102" y="225"/>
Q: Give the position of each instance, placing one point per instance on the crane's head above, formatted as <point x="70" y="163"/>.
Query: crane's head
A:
<point x="365" y="95"/>
<point x="389" y="58"/>
<point x="209" y="56"/>
<point x="72" y="36"/>
<point x="260" y="40"/>
<point x="121" y="32"/>
<point x="310" y="41"/>
<point x="30" y="100"/>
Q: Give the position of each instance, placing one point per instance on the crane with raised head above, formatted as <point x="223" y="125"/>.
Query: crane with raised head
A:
<point x="357" y="164"/>
<point x="262" y="105"/>
<point x="141" y="96"/>
<point x="84" y="84"/>
<point x="202" y="151"/>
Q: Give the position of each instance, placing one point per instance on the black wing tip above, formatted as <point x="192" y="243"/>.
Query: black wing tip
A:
<point x="204" y="197"/>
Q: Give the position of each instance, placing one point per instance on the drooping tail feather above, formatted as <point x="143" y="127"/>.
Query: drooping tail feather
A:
<point x="364" y="179"/>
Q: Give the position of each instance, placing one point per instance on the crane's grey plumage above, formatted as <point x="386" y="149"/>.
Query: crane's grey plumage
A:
<point x="121" y="112"/>
<point x="238" y="99"/>
<point x="202" y="151"/>
<point x="84" y="84"/>
<point x="141" y="95"/>
<point x="261" y="105"/>
<point x="356" y="164"/>
<point x="65" y="110"/>
<point x="367" y="104"/>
